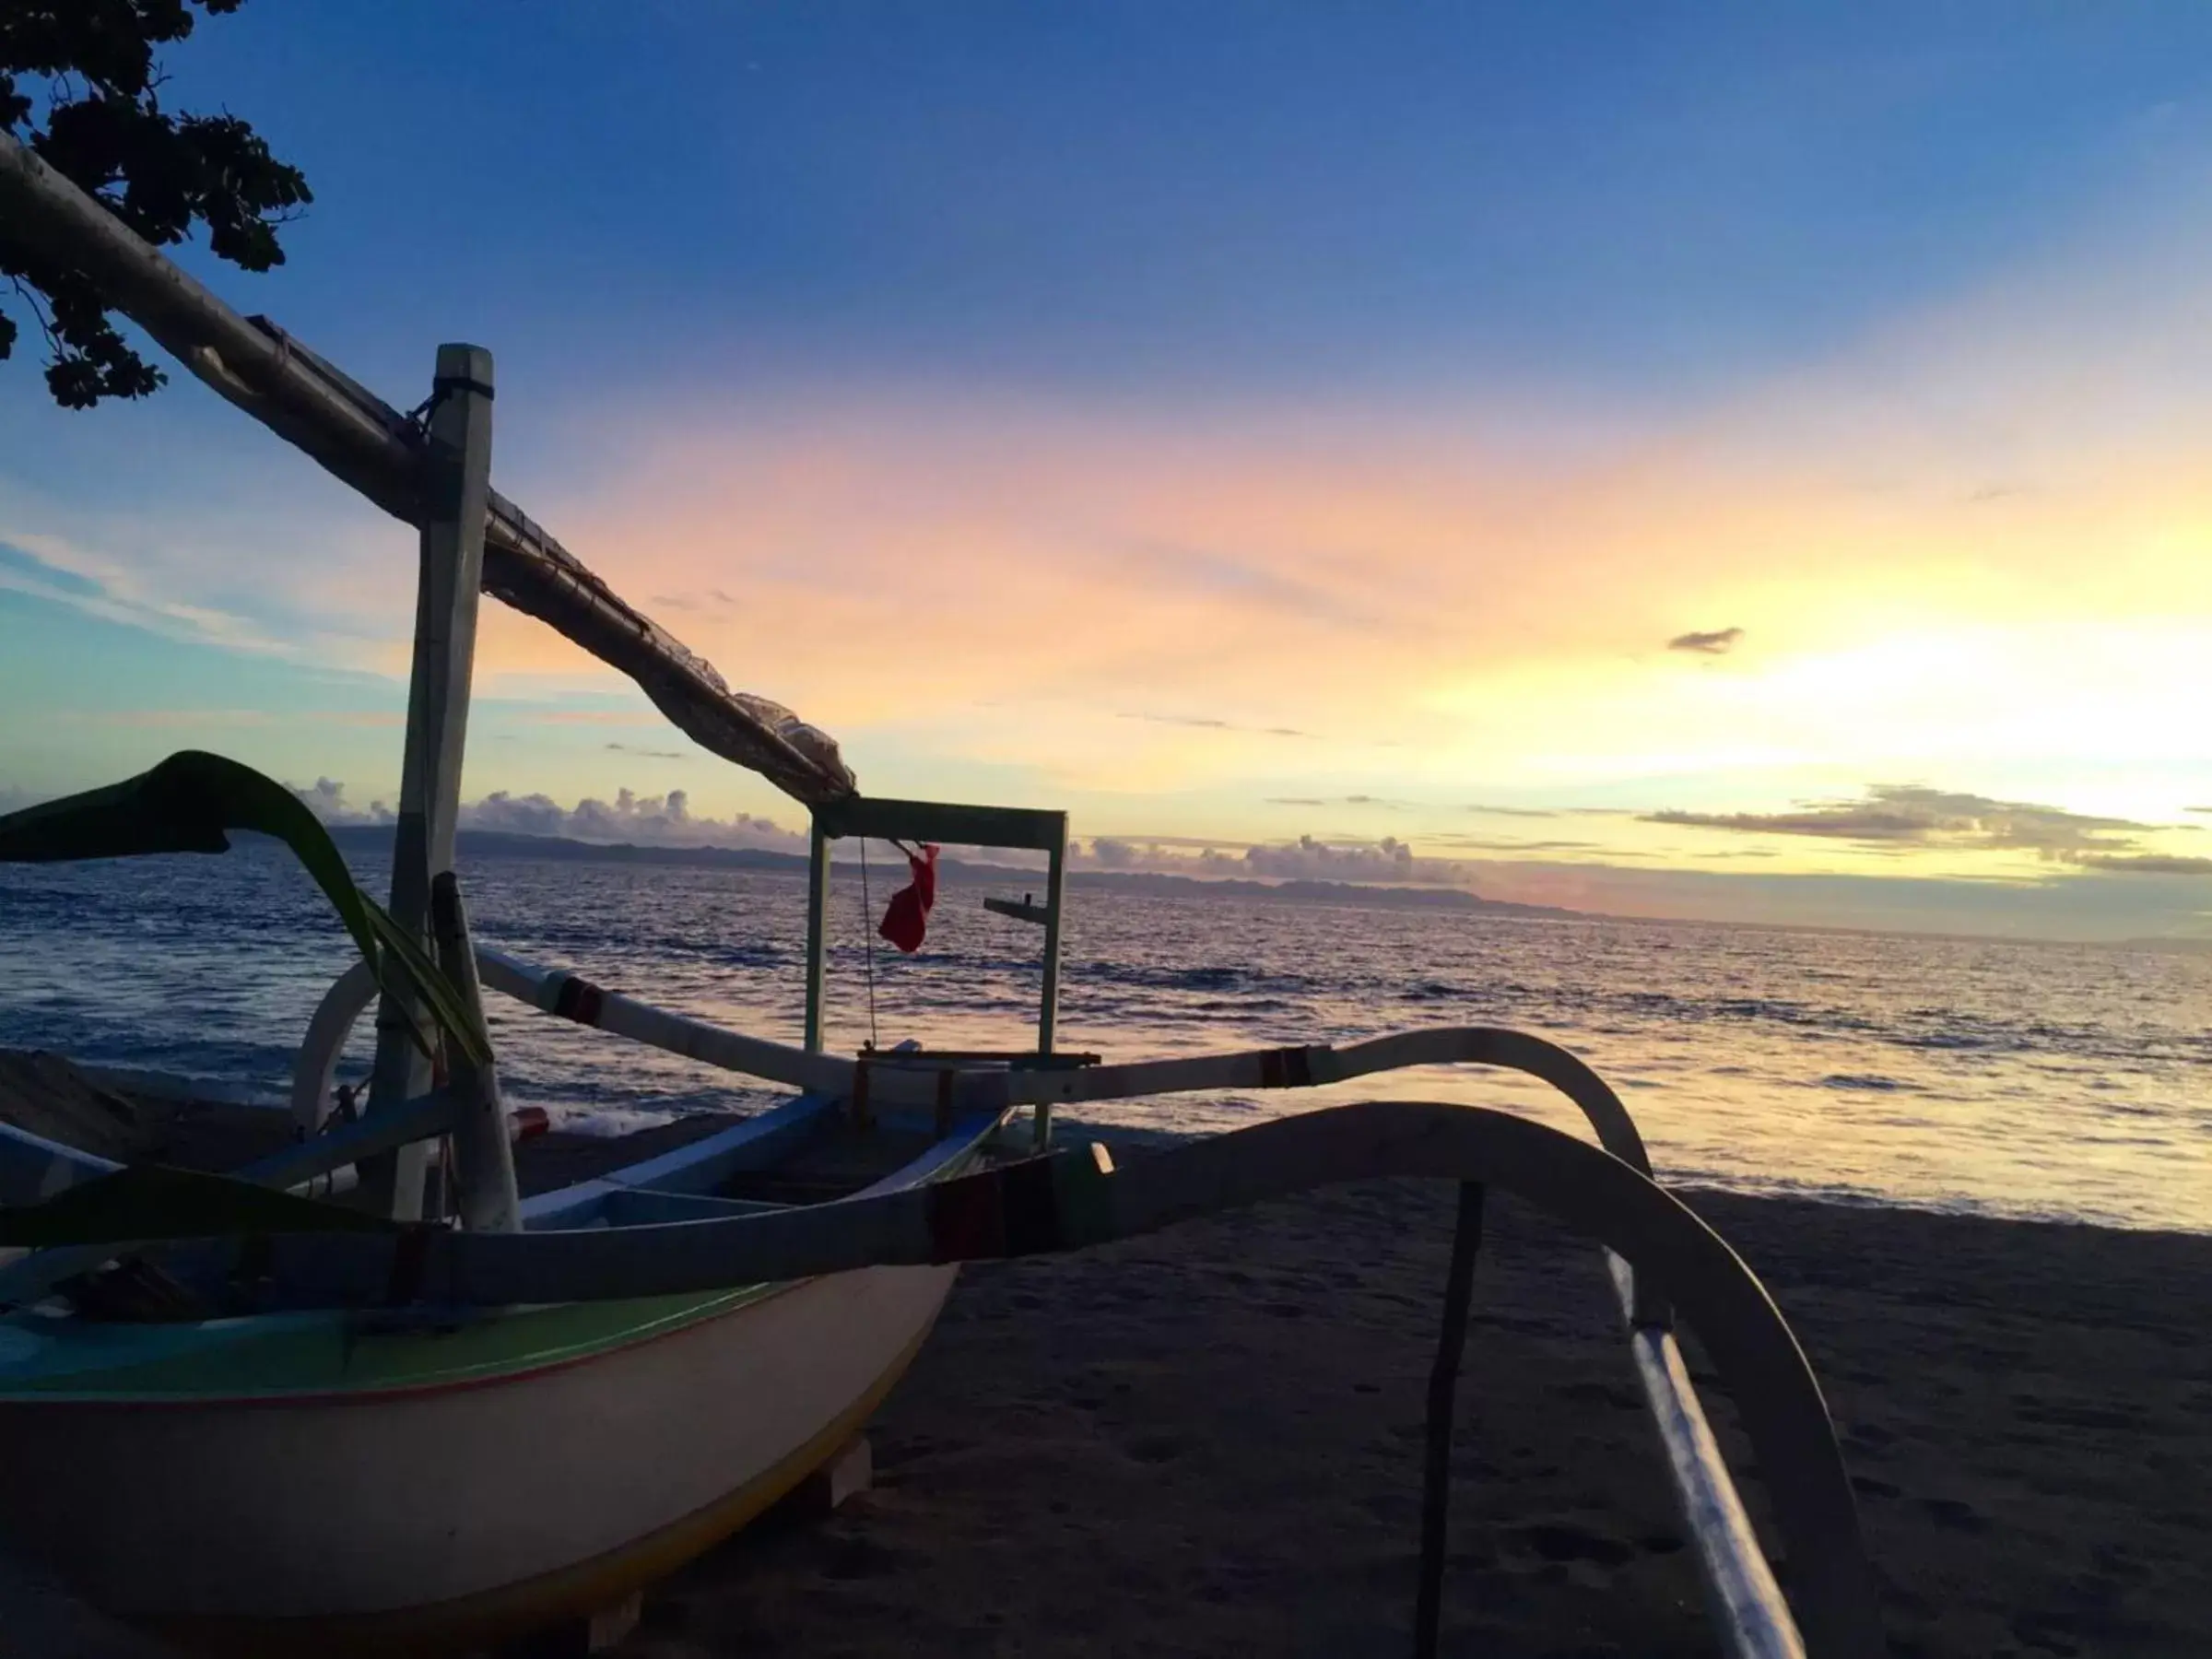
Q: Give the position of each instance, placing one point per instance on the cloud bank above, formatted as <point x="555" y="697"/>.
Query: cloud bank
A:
<point x="1209" y="723"/>
<point x="1389" y="860"/>
<point x="658" y="821"/>
<point x="1386" y="862"/>
<point x="1912" y="815"/>
<point x="2148" y="863"/>
<point x="667" y="820"/>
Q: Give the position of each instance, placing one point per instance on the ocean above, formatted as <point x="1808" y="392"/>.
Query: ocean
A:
<point x="2044" y="1080"/>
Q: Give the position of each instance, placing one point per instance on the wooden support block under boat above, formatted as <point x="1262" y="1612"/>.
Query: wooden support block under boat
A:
<point x="610" y="1626"/>
<point x="601" y="1631"/>
<point x="839" y="1481"/>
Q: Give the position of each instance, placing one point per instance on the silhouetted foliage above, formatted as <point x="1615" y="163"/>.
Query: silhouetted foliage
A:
<point x="80" y="85"/>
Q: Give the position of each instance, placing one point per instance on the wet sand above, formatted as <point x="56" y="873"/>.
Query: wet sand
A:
<point x="1208" y="1442"/>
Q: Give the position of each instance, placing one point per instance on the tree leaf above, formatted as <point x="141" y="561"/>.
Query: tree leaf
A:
<point x="89" y="71"/>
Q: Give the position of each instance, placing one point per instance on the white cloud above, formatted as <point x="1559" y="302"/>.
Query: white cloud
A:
<point x="55" y="570"/>
<point x="326" y="799"/>
<point x="1309" y="858"/>
<point x="658" y="821"/>
<point x="1306" y="859"/>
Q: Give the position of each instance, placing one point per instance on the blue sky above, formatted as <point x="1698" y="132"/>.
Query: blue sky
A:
<point x="1643" y="198"/>
<point x="1066" y="403"/>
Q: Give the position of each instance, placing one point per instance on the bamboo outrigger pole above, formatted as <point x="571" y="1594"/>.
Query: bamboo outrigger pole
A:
<point x="374" y="449"/>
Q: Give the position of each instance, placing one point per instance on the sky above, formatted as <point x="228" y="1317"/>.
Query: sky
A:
<point x="1742" y="461"/>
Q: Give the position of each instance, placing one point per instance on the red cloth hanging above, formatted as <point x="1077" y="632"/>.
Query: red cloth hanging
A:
<point x="906" y="918"/>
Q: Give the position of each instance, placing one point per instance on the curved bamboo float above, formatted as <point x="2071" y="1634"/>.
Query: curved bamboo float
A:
<point x="891" y="1081"/>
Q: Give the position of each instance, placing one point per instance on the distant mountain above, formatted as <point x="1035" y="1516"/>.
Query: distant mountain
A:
<point x="2176" y="944"/>
<point x="499" y="843"/>
<point x="504" y="844"/>
<point x="1154" y="883"/>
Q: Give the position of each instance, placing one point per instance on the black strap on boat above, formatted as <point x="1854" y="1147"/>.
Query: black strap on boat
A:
<point x="863" y="1115"/>
<point x="1443" y="1384"/>
<point x="944" y="1102"/>
<point x="445" y="386"/>
<point x="576" y="998"/>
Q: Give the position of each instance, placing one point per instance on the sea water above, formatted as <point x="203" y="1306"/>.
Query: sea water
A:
<point x="2063" y="1081"/>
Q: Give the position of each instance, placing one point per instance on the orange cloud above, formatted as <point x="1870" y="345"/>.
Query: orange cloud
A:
<point x="1003" y="581"/>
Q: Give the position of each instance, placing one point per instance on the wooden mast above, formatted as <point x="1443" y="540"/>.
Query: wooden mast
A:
<point x="1027" y="827"/>
<point x="817" y="932"/>
<point x="458" y="479"/>
<point x="1048" y="1008"/>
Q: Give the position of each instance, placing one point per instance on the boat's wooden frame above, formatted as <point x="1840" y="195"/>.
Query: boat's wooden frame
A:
<point x="1020" y="829"/>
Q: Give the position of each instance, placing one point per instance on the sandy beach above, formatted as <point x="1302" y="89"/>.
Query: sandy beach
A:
<point x="1207" y="1442"/>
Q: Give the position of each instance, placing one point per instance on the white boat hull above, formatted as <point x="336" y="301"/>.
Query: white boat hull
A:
<point x="459" y="1510"/>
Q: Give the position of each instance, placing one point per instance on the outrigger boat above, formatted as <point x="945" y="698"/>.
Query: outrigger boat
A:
<point x="301" y="1406"/>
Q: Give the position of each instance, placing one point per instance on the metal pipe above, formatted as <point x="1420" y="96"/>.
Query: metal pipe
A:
<point x="818" y="935"/>
<point x="1745" y="1603"/>
<point x="449" y="580"/>
<point x="1048" y="1008"/>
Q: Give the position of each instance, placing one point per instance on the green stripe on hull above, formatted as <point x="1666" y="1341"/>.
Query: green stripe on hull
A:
<point x="273" y="1358"/>
<point x="322" y="1355"/>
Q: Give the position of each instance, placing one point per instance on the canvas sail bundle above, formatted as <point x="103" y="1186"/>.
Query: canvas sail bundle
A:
<point x="384" y="455"/>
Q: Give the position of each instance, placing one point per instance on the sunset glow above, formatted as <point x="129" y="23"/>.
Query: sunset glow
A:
<point x="1671" y="612"/>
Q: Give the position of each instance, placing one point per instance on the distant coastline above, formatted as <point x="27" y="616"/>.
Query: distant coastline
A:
<point x="500" y="843"/>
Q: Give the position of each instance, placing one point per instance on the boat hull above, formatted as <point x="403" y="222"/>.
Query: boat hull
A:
<point x="444" y="1515"/>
